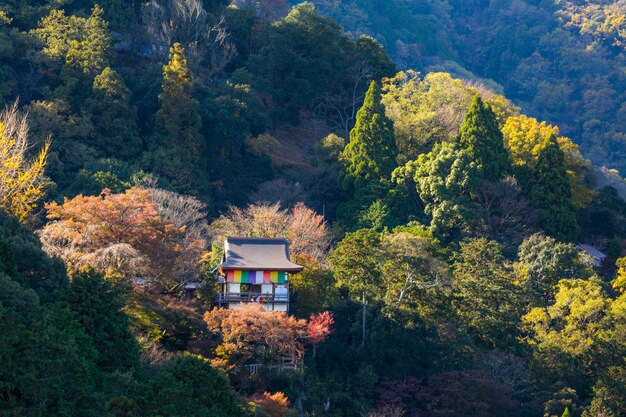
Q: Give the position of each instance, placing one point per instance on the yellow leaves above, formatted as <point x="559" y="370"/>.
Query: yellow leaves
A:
<point x="21" y="181"/>
<point x="176" y="74"/>
<point x="5" y="19"/>
<point x="81" y="42"/>
<point x="574" y="322"/>
<point x="619" y="283"/>
<point x="525" y="138"/>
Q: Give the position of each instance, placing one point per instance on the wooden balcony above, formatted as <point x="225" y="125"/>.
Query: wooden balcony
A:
<point x="250" y="297"/>
<point x="283" y="365"/>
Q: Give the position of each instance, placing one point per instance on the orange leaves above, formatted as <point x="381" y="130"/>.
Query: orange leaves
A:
<point x="275" y="405"/>
<point x="253" y="333"/>
<point x="123" y="233"/>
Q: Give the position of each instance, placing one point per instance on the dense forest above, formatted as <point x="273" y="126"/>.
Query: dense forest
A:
<point x="562" y="61"/>
<point x="447" y="172"/>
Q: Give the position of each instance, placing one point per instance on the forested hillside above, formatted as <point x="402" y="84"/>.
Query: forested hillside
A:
<point x="562" y="61"/>
<point x="436" y="167"/>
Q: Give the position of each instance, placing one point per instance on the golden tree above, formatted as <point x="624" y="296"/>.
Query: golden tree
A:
<point x="21" y="180"/>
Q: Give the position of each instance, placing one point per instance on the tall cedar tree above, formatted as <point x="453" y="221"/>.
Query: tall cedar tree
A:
<point x="178" y="119"/>
<point x="551" y="193"/>
<point x="481" y="137"/>
<point x="370" y="157"/>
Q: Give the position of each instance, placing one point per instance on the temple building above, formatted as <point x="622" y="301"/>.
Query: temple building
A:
<point x="255" y="270"/>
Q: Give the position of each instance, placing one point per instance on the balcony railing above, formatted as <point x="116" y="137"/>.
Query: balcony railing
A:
<point x="248" y="297"/>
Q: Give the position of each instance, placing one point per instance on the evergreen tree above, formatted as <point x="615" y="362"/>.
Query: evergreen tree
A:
<point x="175" y="155"/>
<point x="370" y="157"/>
<point x="97" y="306"/>
<point x="189" y="386"/>
<point x="114" y="119"/>
<point x="551" y="194"/>
<point x="481" y="137"/>
<point x="178" y="120"/>
<point x="446" y="180"/>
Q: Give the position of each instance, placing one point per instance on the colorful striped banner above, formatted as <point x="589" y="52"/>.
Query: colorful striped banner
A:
<point x="256" y="277"/>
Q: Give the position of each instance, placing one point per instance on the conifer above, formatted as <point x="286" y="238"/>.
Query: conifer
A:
<point x="178" y="119"/>
<point x="551" y="193"/>
<point x="114" y="119"/>
<point x="481" y="137"/>
<point x="370" y="157"/>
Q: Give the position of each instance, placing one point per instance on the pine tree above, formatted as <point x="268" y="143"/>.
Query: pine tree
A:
<point x="481" y="137"/>
<point x="551" y="194"/>
<point x="370" y="157"/>
<point x="178" y="119"/>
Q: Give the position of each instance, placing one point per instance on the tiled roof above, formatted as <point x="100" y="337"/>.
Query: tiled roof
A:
<point x="244" y="253"/>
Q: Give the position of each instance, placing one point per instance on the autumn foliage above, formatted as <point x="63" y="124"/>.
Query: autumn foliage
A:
<point x="320" y="326"/>
<point x="252" y="333"/>
<point x="123" y="234"/>
<point x="21" y="181"/>
<point x="275" y="405"/>
<point x="306" y="230"/>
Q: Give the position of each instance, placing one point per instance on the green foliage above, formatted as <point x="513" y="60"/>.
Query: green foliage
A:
<point x="411" y="267"/>
<point x="97" y="306"/>
<point x="370" y="156"/>
<point x="551" y="194"/>
<point x="605" y="216"/>
<point x="563" y="61"/>
<point x="312" y="291"/>
<point x="543" y="262"/>
<point x="300" y="56"/>
<point x="609" y="394"/>
<point x="48" y="361"/>
<point x="429" y="109"/>
<point x="22" y="258"/>
<point x="178" y="119"/>
<point x="481" y="137"/>
<point x="216" y="125"/>
<point x="487" y="298"/>
<point x="368" y="161"/>
<point x="564" y="399"/>
<point x="355" y="263"/>
<point x="189" y="386"/>
<point x="566" y="333"/>
<point x="114" y="119"/>
<point x="81" y="43"/>
<point x="445" y="179"/>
